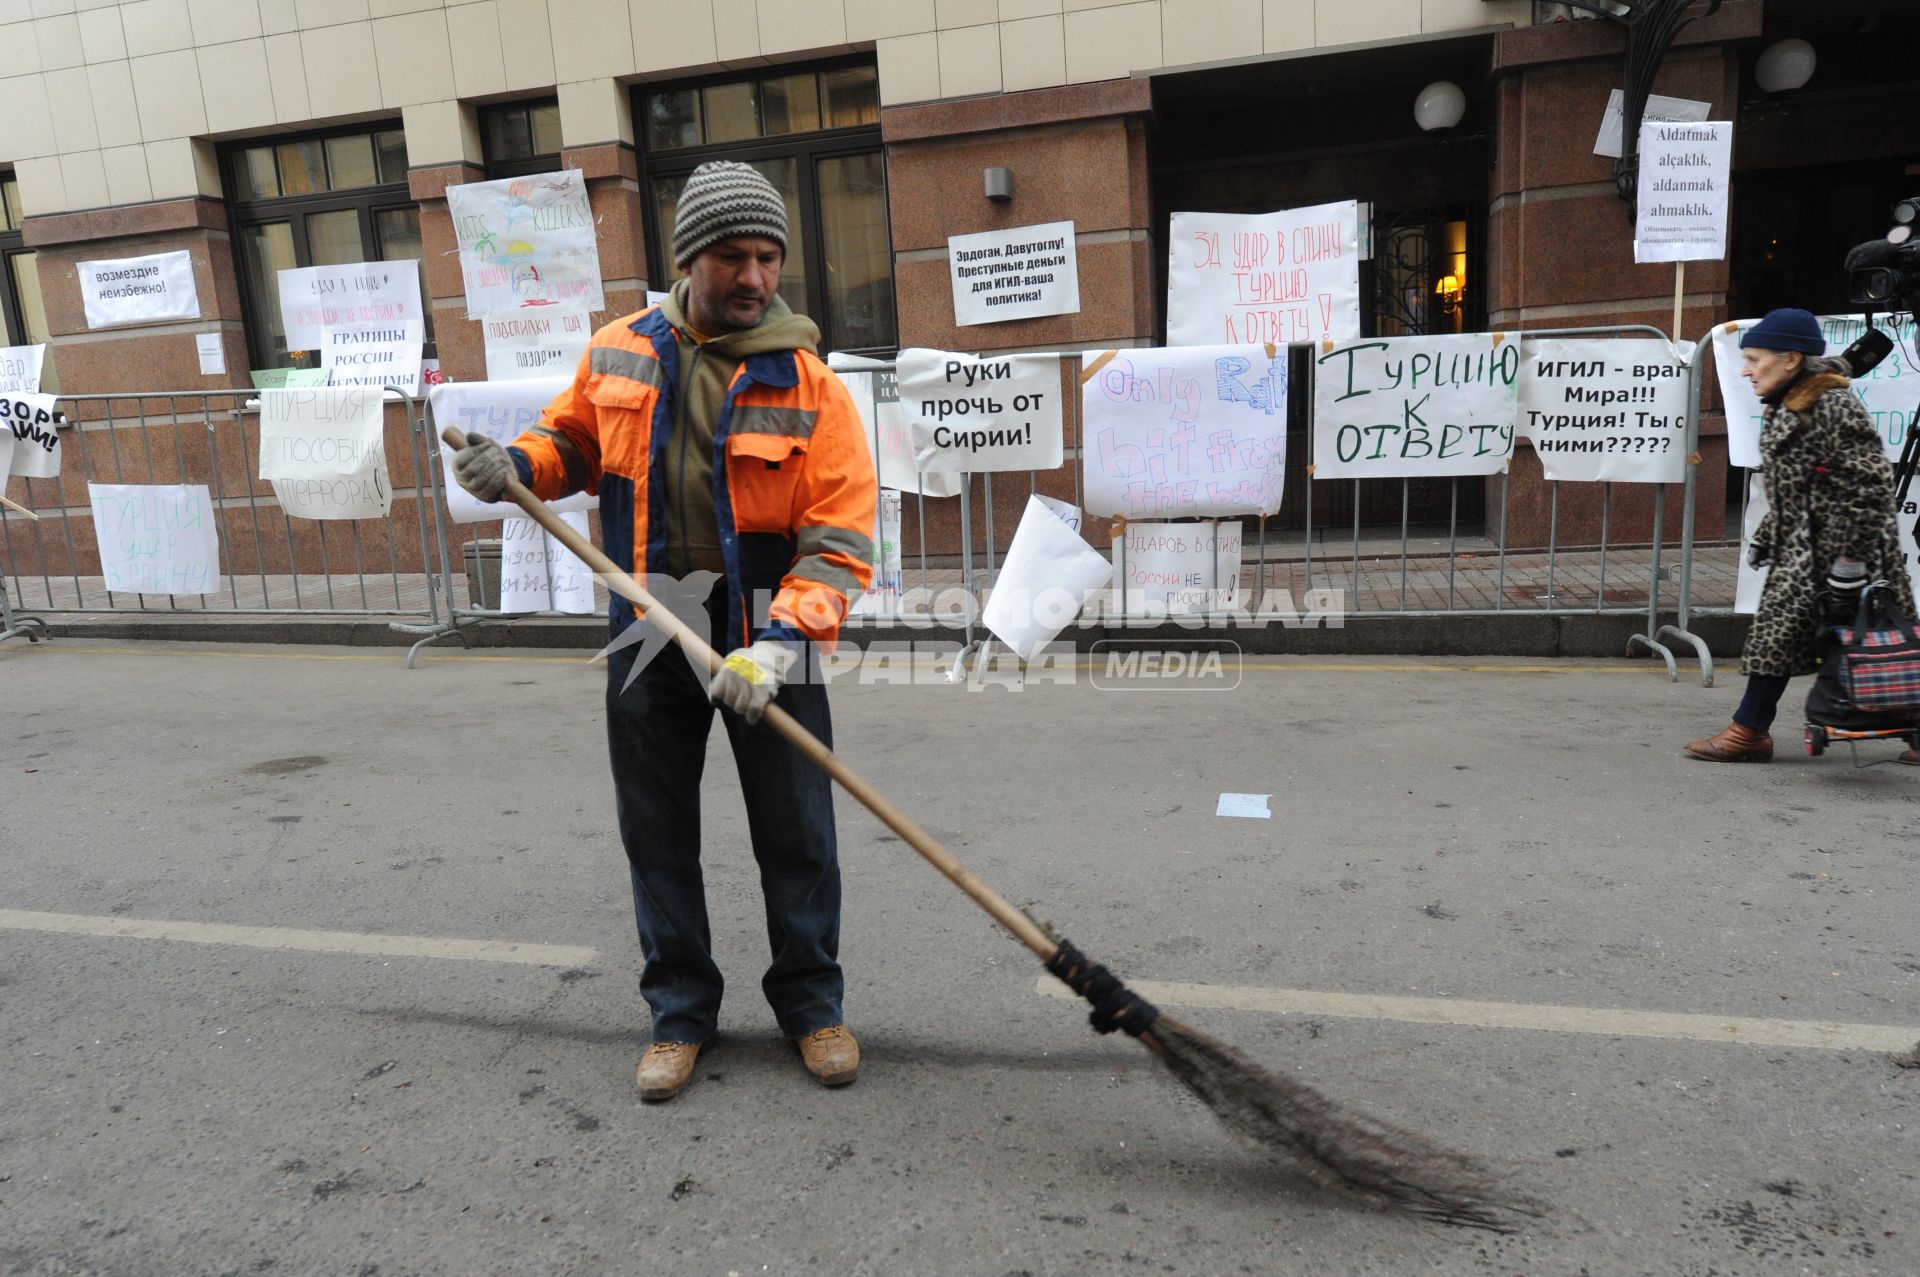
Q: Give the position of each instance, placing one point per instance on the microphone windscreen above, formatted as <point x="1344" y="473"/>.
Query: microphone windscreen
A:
<point x="1874" y="253"/>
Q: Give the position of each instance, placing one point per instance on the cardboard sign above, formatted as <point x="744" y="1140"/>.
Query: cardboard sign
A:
<point x="1235" y="278"/>
<point x="527" y="242"/>
<point x="969" y="414"/>
<point x="314" y="299"/>
<point x="156" y="538"/>
<point x="138" y="290"/>
<point x="1613" y="410"/>
<point x="324" y="451"/>
<point x="1394" y="407"/>
<point x="536" y="343"/>
<point x="1024" y="272"/>
<point x="1193" y="430"/>
<point x="1682" y="192"/>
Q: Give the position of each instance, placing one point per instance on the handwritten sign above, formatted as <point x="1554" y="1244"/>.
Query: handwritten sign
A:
<point x="1890" y="391"/>
<point x="1045" y="580"/>
<point x="380" y="355"/>
<point x="364" y="294"/>
<point x="1024" y="272"/>
<point x="1605" y="410"/>
<point x="1660" y="108"/>
<point x="1414" y="406"/>
<point x="324" y="452"/>
<point x="1237" y="278"/>
<point x="156" y="538"/>
<point x="32" y="424"/>
<point x="527" y="242"/>
<point x="876" y="396"/>
<point x="1179" y="568"/>
<point x="535" y="343"/>
<point x="970" y="413"/>
<point x="1192" y="430"/>
<point x="138" y="290"/>
<point x="287" y="378"/>
<point x="20" y="368"/>
<point x="538" y="574"/>
<point x="1682" y="195"/>
<point x="500" y="410"/>
<point x="882" y="597"/>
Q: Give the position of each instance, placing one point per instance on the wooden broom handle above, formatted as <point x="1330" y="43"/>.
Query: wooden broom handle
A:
<point x="1024" y="929"/>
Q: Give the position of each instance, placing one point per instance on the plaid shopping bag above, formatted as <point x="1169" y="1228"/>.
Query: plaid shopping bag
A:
<point x="1880" y="654"/>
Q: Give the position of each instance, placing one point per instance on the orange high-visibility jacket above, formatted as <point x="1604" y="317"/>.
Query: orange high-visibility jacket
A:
<point x="794" y="486"/>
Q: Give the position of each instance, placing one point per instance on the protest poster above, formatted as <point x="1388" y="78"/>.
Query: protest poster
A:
<point x="213" y="356"/>
<point x="287" y="378"/>
<point x="1243" y="278"/>
<point x="1890" y="390"/>
<point x="379" y="355"/>
<point x="1613" y="410"/>
<point x="538" y="574"/>
<point x="875" y="392"/>
<point x="1395" y="407"/>
<point x="503" y="411"/>
<point x="1022" y="272"/>
<point x="156" y="538"/>
<point x="31" y="424"/>
<point x="138" y="290"/>
<point x="981" y="413"/>
<point x="1179" y="568"/>
<point x="526" y="242"/>
<point x="1045" y="580"/>
<point x="20" y="368"/>
<point x="1682" y="191"/>
<point x="324" y="451"/>
<point x="1193" y="430"/>
<point x="314" y="299"/>
<point x="882" y="597"/>
<point x="1660" y="108"/>
<point x="535" y="343"/>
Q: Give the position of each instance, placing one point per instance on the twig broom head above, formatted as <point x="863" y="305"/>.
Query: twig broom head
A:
<point x="1341" y="1149"/>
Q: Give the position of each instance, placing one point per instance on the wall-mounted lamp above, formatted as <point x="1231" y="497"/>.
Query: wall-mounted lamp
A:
<point x="1439" y="106"/>
<point x="1786" y="65"/>
<point x="1450" y="291"/>
<point x="1000" y="185"/>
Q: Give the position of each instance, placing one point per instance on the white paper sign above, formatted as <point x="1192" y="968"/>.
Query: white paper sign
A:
<point x="138" y="290"/>
<point x="324" y="451"/>
<point x="527" y="242"/>
<point x="1890" y="392"/>
<point x="1192" y="430"/>
<point x="969" y="413"/>
<point x="362" y="295"/>
<point x="538" y="574"/>
<point x="535" y="343"/>
<point x="382" y="355"/>
<point x="882" y="597"/>
<point x="502" y="410"/>
<point x="156" y="538"/>
<point x="6" y="456"/>
<point x="1663" y="109"/>
<point x="876" y="396"/>
<point x="1682" y="192"/>
<point x="31" y="426"/>
<point x="1045" y="580"/>
<point x="1605" y="409"/>
<point x="1394" y="407"/>
<point x="1023" y="272"/>
<point x="1179" y="568"/>
<point x="20" y="368"/>
<point x="213" y="356"/>
<point x="1242" y="278"/>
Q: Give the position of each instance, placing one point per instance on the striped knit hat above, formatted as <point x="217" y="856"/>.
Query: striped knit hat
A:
<point x="723" y="199"/>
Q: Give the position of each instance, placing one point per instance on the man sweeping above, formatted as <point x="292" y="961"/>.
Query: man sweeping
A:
<point x="724" y="452"/>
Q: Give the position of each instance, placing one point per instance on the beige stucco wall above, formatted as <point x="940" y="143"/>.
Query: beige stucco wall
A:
<point x="106" y="102"/>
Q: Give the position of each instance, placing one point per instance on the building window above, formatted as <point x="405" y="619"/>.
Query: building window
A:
<point x="327" y="199"/>
<point x="816" y="136"/>
<point x="23" y="316"/>
<point x="521" y="138"/>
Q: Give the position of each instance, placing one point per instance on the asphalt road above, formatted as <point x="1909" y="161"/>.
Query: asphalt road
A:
<point x="1491" y="903"/>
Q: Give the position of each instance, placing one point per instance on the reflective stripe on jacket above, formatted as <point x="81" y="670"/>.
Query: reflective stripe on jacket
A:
<point x="794" y="489"/>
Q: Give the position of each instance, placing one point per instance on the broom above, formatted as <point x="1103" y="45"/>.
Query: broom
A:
<point x="1343" y="1150"/>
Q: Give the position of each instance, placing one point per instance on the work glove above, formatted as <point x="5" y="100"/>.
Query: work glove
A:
<point x="483" y="467"/>
<point x="751" y="676"/>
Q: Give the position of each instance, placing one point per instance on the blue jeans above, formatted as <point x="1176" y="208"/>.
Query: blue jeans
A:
<point x="657" y="738"/>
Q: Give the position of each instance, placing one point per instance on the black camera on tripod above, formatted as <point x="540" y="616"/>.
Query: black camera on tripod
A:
<point x="1884" y="273"/>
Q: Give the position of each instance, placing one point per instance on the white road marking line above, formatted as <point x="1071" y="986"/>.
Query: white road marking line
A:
<point x="544" y="955"/>
<point x="1608" y="1022"/>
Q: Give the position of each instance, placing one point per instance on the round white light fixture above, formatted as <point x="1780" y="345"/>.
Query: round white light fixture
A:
<point x="1439" y="106"/>
<point x="1785" y="66"/>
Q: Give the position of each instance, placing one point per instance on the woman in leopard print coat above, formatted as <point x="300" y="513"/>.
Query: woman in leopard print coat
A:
<point x="1830" y="497"/>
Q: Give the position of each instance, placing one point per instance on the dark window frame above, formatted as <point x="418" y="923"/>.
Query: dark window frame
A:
<point x="805" y="149"/>
<point x="243" y="211"/>
<point x="13" y="321"/>
<point x="498" y="166"/>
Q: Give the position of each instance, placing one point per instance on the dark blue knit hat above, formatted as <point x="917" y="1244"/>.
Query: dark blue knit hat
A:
<point x="1786" y="329"/>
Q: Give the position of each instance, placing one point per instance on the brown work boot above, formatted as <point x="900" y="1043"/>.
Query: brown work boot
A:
<point x="666" y="1069"/>
<point x="1910" y="756"/>
<point x="831" y="1055"/>
<point x="1737" y="744"/>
